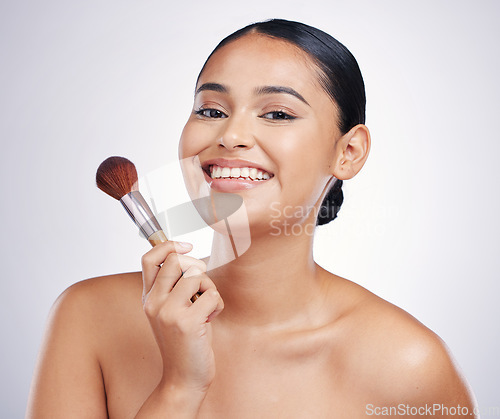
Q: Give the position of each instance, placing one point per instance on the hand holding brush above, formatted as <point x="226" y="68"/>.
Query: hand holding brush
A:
<point x="117" y="177"/>
<point x="179" y="301"/>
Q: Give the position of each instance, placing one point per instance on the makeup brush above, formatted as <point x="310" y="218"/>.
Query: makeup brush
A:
<point x="117" y="177"/>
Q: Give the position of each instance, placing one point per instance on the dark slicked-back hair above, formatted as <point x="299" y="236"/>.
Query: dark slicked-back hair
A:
<point x="339" y="75"/>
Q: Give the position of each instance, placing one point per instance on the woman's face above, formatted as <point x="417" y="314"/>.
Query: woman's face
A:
<point x="262" y="127"/>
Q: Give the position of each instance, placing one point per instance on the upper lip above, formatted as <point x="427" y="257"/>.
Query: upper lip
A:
<point x="232" y="163"/>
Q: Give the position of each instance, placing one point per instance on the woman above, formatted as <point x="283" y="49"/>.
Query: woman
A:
<point x="278" y="120"/>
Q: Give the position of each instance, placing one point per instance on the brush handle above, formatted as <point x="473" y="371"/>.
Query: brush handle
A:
<point x="138" y="209"/>
<point x="157" y="238"/>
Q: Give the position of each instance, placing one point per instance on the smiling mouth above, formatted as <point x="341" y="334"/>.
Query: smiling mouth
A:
<point x="243" y="173"/>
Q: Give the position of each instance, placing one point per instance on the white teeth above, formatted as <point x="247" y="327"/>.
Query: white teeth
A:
<point x="247" y="173"/>
<point x="253" y="173"/>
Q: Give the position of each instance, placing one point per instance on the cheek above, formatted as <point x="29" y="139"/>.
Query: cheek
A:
<point x="185" y="145"/>
<point x="189" y="148"/>
<point x="193" y="140"/>
<point x="304" y="172"/>
<point x="303" y="158"/>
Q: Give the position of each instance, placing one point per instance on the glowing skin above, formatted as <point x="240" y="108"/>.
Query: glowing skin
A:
<point x="240" y="114"/>
<point x="273" y="335"/>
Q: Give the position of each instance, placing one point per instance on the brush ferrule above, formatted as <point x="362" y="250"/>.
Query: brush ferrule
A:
<point x="138" y="209"/>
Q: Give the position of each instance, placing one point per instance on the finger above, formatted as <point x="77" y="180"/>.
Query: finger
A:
<point x="156" y="256"/>
<point x="207" y="306"/>
<point x="188" y="285"/>
<point x="152" y="260"/>
<point x="170" y="272"/>
<point x="191" y="266"/>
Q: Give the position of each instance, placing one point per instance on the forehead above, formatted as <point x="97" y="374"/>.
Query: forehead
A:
<point x="262" y="60"/>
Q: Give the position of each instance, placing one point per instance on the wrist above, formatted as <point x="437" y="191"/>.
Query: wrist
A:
<point x="172" y="401"/>
<point x="182" y="398"/>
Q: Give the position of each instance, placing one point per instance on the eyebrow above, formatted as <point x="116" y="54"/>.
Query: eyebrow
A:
<point x="214" y="87"/>
<point x="264" y="90"/>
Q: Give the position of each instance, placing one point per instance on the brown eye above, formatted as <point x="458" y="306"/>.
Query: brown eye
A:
<point x="210" y="113"/>
<point x="277" y="115"/>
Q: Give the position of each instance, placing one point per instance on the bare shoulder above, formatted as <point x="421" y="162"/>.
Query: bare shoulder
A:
<point x="94" y="290"/>
<point x="103" y="305"/>
<point x="395" y="359"/>
<point x="68" y="379"/>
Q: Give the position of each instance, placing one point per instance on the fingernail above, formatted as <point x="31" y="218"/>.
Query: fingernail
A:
<point x="184" y="245"/>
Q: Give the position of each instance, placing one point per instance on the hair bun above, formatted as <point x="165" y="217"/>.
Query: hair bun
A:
<point x="331" y="204"/>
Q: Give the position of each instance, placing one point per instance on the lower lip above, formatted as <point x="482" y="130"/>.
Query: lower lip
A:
<point x="232" y="185"/>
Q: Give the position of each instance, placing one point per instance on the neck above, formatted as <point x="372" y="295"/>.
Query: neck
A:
<point x="275" y="282"/>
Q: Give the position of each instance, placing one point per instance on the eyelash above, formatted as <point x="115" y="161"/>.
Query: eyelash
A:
<point x="283" y="116"/>
<point x="202" y="111"/>
<point x="277" y="115"/>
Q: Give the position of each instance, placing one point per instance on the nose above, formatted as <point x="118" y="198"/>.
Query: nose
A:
<point x="236" y="133"/>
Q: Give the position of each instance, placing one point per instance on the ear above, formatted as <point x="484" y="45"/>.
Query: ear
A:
<point x="351" y="152"/>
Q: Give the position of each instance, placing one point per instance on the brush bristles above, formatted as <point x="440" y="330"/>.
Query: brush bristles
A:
<point x="116" y="176"/>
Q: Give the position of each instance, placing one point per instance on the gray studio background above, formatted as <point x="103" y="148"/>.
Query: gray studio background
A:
<point x="83" y="80"/>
